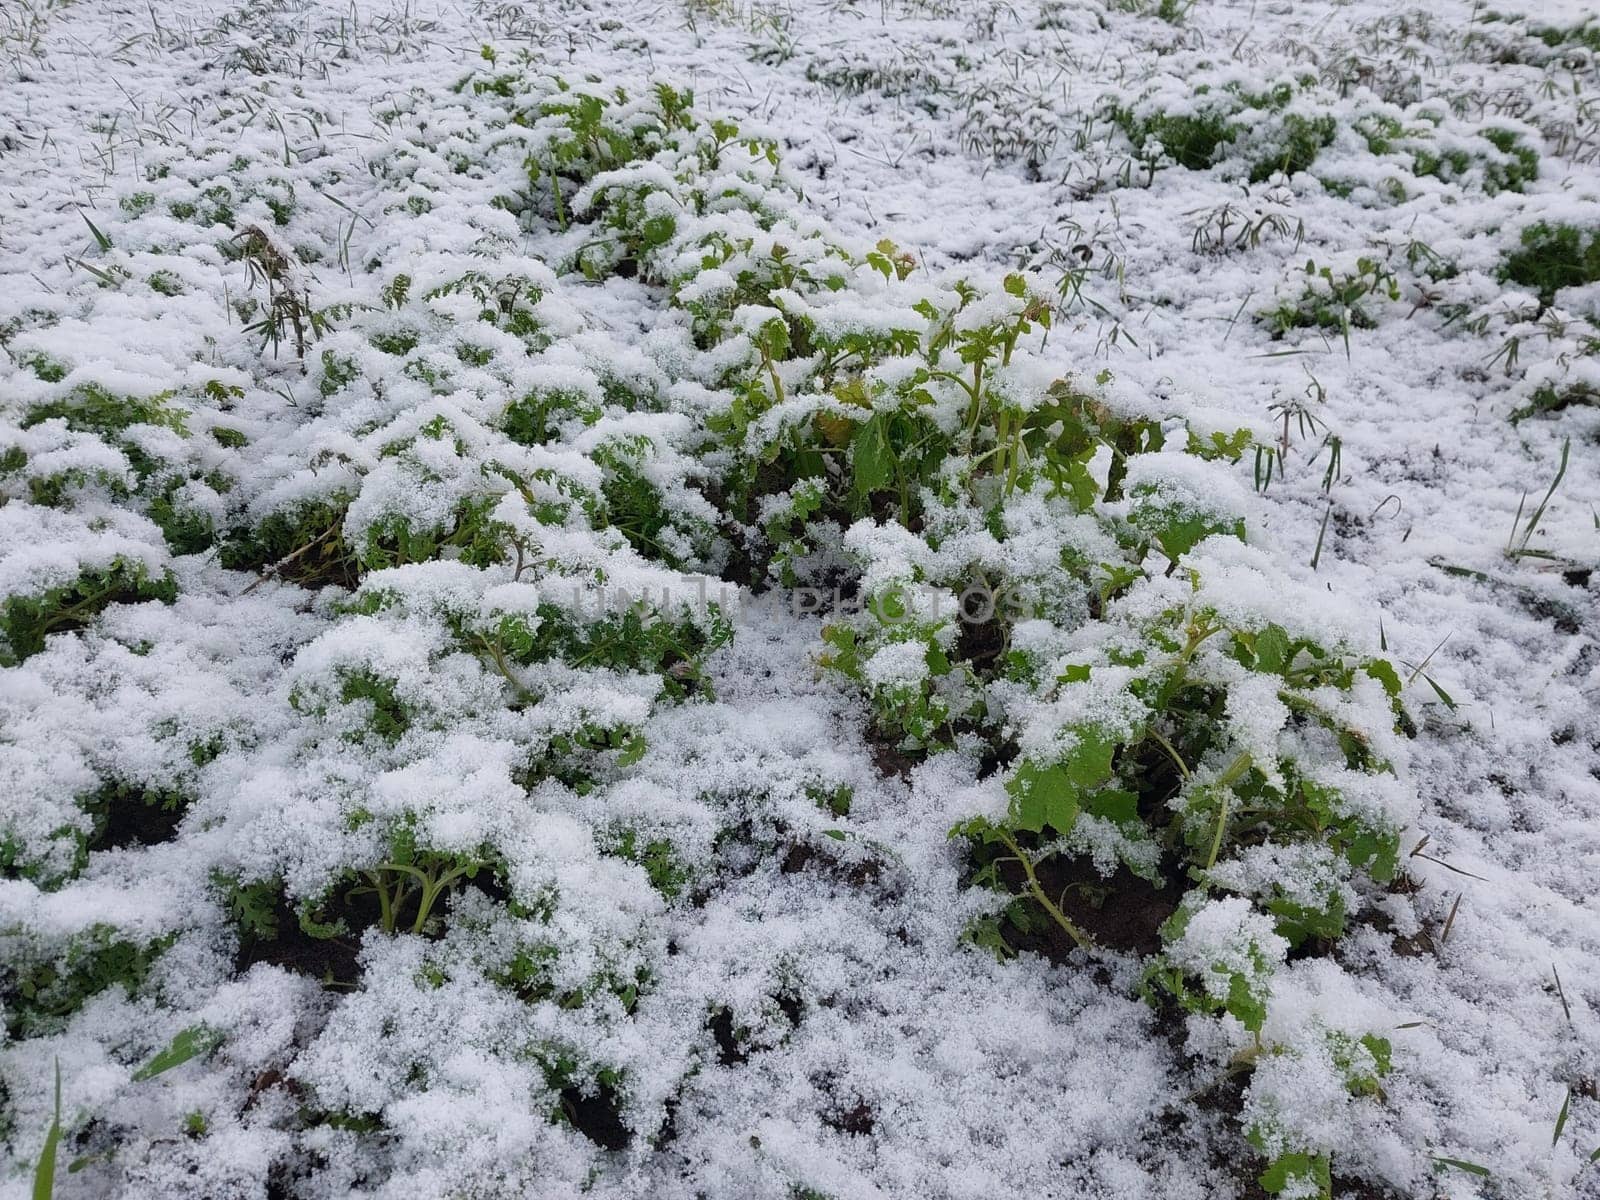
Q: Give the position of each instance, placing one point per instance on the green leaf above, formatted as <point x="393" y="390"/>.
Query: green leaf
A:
<point x="1089" y="764"/>
<point x="1471" y="1168"/>
<point x="1272" y="650"/>
<point x="1070" y="477"/>
<point x="1438" y="691"/>
<point x="872" y="456"/>
<point x="1296" y="1167"/>
<point x="100" y="238"/>
<point x="633" y="751"/>
<point x="1250" y="1009"/>
<point x="1181" y="534"/>
<point x="44" y="1174"/>
<point x="1561" y="1117"/>
<point x="1043" y="796"/>
<point x="1382" y="1052"/>
<point x="659" y="230"/>
<point x="189" y="1043"/>
<point x="1113" y="804"/>
<point x="1383" y="671"/>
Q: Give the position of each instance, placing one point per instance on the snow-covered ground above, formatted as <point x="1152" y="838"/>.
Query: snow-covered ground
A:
<point x="717" y="939"/>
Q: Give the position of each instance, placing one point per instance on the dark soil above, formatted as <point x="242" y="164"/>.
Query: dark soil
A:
<point x="1123" y="912"/>
<point x="890" y="760"/>
<point x="858" y="1121"/>
<point x="131" y="823"/>
<point x="867" y="873"/>
<point x="980" y="644"/>
<point x="731" y="1049"/>
<point x="729" y="1052"/>
<point x="331" y="960"/>
<point x="596" y="1116"/>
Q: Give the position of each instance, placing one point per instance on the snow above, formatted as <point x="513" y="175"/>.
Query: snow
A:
<point x="806" y="966"/>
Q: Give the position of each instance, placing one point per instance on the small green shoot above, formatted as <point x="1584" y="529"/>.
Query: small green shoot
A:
<point x="44" y="1173"/>
<point x="1517" y="547"/>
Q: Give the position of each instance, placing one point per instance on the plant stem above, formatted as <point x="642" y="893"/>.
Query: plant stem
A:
<point x="385" y="904"/>
<point x="1225" y="781"/>
<point x="1036" y="890"/>
<point x="1172" y="753"/>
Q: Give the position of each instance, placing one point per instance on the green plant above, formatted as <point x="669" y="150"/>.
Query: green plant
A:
<point x="44" y="1172"/>
<point x="43" y="993"/>
<point x="288" y="308"/>
<point x="1335" y="302"/>
<point x="1552" y="256"/>
<point x="424" y="877"/>
<point x="1217" y="121"/>
<point x="27" y="620"/>
<point x="1517" y="543"/>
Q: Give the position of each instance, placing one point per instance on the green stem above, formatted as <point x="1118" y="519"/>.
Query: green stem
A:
<point x="1172" y="753"/>
<point x="1036" y="890"/>
<point x="555" y="190"/>
<point x="430" y="892"/>
<point x="385" y="904"/>
<point x="772" y="373"/>
<point x="1225" y="781"/>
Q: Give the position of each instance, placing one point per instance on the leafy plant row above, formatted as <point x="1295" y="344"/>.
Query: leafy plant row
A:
<point x="503" y="502"/>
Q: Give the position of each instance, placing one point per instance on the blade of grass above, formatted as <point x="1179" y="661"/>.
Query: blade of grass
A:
<point x="1316" y="555"/>
<point x="100" y="238"/>
<point x="1532" y="526"/>
<point x="44" y="1174"/>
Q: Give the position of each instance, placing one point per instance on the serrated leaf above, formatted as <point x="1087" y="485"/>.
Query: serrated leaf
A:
<point x="1043" y="797"/>
<point x="1089" y="764"/>
<point x="872" y="457"/>
<point x="1272" y="650"/>
<point x="633" y="751"/>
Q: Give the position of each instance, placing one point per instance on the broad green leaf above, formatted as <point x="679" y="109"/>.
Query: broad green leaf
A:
<point x="1113" y="804"/>
<point x="1295" y="1168"/>
<point x="1089" y="764"/>
<point x="872" y="456"/>
<point x="1272" y="650"/>
<point x="1043" y="796"/>
<point x="1245" y="1005"/>
<point x="1071" y="478"/>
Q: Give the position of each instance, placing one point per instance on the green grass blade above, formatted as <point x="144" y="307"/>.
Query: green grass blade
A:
<point x="44" y="1174"/>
